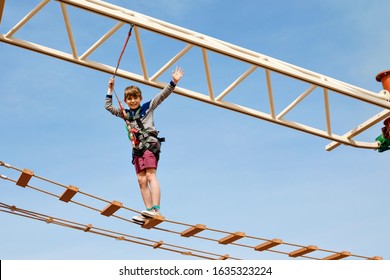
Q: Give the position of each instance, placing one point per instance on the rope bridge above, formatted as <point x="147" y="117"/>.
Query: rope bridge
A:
<point x="110" y="209"/>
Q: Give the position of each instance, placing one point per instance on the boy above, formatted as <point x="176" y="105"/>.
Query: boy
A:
<point x="146" y="147"/>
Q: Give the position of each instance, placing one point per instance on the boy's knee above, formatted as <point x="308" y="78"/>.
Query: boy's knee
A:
<point x="142" y="180"/>
<point x="150" y="174"/>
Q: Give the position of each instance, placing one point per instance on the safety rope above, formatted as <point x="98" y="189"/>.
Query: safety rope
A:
<point x="123" y="49"/>
<point x="128" y="127"/>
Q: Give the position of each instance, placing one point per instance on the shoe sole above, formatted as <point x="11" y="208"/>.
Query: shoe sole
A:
<point x="149" y="215"/>
<point x="138" y="221"/>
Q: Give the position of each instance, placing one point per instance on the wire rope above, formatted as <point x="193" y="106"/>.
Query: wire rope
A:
<point x="198" y="236"/>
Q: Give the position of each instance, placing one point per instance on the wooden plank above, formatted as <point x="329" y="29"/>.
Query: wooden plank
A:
<point x="24" y="178"/>
<point x="193" y="230"/>
<point x="88" y="228"/>
<point x="152" y="222"/>
<point x="69" y="193"/>
<point x="268" y="245"/>
<point x="224" y="257"/>
<point x="231" y="238"/>
<point x="111" y="208"/>
<point x="158" y="244"/>
<point x="338" y="256"/>
<point x="303" y="251"/>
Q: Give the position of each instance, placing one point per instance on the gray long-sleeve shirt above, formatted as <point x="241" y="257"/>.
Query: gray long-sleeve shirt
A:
<point x="146" y="113"/>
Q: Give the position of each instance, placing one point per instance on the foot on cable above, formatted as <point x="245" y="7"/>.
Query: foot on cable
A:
<point x="151" y="213"/>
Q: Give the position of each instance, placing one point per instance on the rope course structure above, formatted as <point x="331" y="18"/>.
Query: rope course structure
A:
<point x="188" y="230"/>
<point x="11" y="209"/>
<point x="270" y="70"/>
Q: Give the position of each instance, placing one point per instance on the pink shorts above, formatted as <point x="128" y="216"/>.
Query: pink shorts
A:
<point x="148" y="160"/>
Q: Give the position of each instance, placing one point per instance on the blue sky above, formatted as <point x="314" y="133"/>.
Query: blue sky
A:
<point x="218" y="168"/>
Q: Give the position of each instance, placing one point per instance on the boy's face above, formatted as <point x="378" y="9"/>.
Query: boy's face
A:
<point x="133" y="102"/>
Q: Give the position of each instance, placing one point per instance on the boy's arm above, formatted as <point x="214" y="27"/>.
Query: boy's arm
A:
<point x="108" y="101"/>
<point x="160" y="97"/>
<point x="177" y="74"/>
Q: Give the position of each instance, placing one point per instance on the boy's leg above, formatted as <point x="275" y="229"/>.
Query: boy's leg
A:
<point x="144" y="188"/>
<point x="155" y="193"/>
<point x="154" y="185"/>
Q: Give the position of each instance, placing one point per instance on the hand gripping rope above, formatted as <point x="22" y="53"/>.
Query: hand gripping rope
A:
<point x="128" y="127"/>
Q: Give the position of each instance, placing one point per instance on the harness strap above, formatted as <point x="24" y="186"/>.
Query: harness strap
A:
<point x="142" y="136"/>
<point x="155" y="148"/>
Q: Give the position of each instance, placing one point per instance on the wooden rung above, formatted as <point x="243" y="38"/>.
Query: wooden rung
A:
<point x="268" y="245"/>
<point x="231" y="238"/>
<point x="88" y="228"/>
<point x="69" y="193"/>
<point x="193" y="230"/>
<point x="111" y="208"/>
<point x="303" y="251"/>
<point x="152" y="222"/>
<point x="24" y="178"/>
<point x="224" y="257"/>
<point x="158" y="244"/>
<point x="338" y="256"/>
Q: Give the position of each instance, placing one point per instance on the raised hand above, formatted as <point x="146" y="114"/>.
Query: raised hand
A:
<point x="177" y="74"/>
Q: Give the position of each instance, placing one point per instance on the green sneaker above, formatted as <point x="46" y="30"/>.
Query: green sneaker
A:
<point x="151" y="213"/>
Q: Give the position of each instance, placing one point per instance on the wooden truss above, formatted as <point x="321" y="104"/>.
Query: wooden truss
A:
<point x="313" y="83"/>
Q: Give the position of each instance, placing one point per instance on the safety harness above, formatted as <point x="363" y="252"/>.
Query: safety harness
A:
<point x="141" y="135"/>
<point x="136" y="136"/>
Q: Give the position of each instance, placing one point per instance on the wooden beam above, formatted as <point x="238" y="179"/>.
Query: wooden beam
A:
<point x="2" y="4"/>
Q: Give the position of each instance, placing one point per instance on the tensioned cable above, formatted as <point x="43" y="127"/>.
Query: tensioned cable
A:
<point x="108" y="233"/>
<point x="168" y="221"/>
<point x="270" y="249"/>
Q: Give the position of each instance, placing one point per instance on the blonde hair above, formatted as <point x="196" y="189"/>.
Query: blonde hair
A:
<point x="132" y="91"/>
